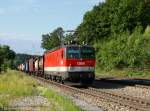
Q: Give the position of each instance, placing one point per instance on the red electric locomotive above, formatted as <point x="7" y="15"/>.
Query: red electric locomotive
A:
<point x="75" y="63"/>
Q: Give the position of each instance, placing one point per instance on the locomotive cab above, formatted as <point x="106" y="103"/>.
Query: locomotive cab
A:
<point x="81" y="63"/>
<point x="72" y="63"/>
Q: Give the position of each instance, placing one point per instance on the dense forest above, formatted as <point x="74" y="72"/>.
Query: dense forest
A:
<point x="118" y="29"/>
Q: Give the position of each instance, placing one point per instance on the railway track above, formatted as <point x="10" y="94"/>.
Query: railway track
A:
<point x="123" y="98"/>
<point x="98" y="96"/>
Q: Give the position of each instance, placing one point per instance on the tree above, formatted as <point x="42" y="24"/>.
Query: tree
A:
<point x="113" y="17"/>
<point x="6" y="57"/>
<point x="68" y="38"/>
<point x="52" y="39"/>
<point x="95" y="25"/>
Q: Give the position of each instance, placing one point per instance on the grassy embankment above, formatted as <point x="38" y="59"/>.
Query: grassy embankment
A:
<point x="14" y="84"/>
<point x="129" y="73"/>
<point x="63" y="102"/>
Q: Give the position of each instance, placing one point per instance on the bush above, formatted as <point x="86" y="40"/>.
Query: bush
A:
<point x="129" y="50"/>
<point x="6" y="58"/>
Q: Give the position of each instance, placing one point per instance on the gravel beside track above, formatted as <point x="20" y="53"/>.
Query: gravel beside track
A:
<point x="134" y="91"/>
<point x="106" y="102"/>
<point x="124" y="98"/>
<point x="32" y="103"/>
<point x="84" y="105"/>
<point x="143" y="86"/>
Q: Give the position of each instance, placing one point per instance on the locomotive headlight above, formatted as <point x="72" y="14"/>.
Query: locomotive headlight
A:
<point x="61" y="62"/>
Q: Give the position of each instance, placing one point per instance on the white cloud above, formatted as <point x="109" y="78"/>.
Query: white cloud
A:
<point x="22" y="43"/>
<point x="23" y="46"/>
<point x="18" y="36"/>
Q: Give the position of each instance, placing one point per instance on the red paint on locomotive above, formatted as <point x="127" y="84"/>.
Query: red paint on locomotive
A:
<point x="59" y="63"/>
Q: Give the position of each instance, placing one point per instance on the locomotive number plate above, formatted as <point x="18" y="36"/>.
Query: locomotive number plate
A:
<point x="80" y="63"/>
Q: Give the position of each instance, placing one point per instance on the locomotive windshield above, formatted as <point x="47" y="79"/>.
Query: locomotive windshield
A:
<point x="87" y="54"/>
<point x="80" y="53"/>
<point x="73" y="53"/>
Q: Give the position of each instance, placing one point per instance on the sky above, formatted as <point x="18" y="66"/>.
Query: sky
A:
<point x="22" y="22"/>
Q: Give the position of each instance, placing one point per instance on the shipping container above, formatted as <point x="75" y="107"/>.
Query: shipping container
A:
<point x="41" y="63"/>
<point x="41" y="67"/>
<point x="31" y="65"/>
<point x="26" y="66"/>
<point x="36" y="65"/>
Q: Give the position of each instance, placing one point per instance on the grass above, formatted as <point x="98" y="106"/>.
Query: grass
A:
<point x="58" y="102"/>
<point x="123" y="73"/>
<point x="14" y="84"/>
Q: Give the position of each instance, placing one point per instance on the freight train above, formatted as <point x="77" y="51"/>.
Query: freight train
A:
<point x="74" y="63"/>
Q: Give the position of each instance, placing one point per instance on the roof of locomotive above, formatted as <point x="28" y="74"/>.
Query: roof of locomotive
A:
<point x="67" y="46"/>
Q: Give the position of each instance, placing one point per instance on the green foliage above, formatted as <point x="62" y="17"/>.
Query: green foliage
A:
<point x="113" y="17"/>
<point x="124" y="49"/>
<point x="68" y="38"/>
<point x="51" y="40"/>
<point x="14" y="84"/>
<point x="58" y="101"/>
<point x="135" y="73"/>
<point x="6" y="58"/>
<point x="116" y="29"/>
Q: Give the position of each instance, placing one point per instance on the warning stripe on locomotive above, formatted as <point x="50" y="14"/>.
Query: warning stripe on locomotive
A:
<point x="69" y="69"/>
